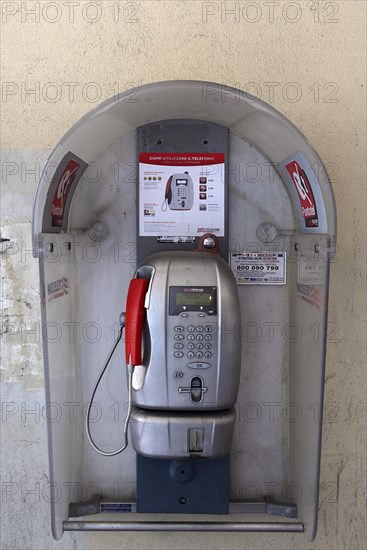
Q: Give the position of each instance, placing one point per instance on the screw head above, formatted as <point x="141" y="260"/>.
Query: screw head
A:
<point x="209" y="242"/>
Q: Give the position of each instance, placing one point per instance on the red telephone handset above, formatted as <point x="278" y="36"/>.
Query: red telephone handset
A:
<point x="135" y="320"/>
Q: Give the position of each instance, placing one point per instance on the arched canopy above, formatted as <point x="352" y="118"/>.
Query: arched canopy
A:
<point x="244" y="115"/>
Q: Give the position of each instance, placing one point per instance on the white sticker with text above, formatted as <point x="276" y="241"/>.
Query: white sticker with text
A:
<point x="259" y="268"/>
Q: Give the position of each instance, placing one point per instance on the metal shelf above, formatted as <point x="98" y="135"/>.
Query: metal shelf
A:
<point x="240" y="527"/>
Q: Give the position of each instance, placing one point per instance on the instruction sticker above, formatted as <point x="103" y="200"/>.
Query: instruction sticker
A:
<point x="120" y="507"/>
<point x="181" y="194"/>
<point x="259" y="268"/>
<point x="311" y="269"/>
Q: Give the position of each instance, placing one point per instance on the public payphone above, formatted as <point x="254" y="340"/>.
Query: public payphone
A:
<point x="230" y="364"/>
<point x="182" y="367"/>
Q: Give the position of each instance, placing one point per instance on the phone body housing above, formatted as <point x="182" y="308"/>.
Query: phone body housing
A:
<point x="192" y="340"/>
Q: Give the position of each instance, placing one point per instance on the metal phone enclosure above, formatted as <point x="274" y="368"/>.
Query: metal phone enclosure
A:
<point x="85" y="235"/>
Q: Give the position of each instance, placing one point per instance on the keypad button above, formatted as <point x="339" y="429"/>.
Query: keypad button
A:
<point x="199" y="337"/>
<point x="199" y="328"/>
<point x="179" y="346"/>
<point x="191" y="328"/>
<point x="184" y="314"/>
<point x="191" y="337"/>
<point x="202" y="314"/>
<point x="207" y="355"/>
<point x="199" y="354"/>
<point x="178" y="354"/>
<point x="179" y="337"/>
<point x="208" y="328"/>
<point x="190" y="354"/>
<point x="190" y="345"/>
<point x="199" y="345"/>
<point x="198" y="365"/>
<point x="179" y="328"/>
<point x="208" y="337"/>
<point x="207" y="345"/>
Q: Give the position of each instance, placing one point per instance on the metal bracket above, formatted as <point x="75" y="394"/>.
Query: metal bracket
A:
<point x="87" y="508"/>
<point x="276" y="508"/>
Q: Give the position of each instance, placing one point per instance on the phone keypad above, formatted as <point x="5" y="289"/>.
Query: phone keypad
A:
<point x="195" y="344"/>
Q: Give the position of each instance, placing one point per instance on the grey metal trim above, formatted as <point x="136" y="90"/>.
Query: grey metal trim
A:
<point x="275" y="527"/>
<point x="40" y="247"/>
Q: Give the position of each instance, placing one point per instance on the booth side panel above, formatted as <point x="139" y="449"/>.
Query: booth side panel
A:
<point x="308" y="313"/>
<point x="63" y="406"/>
<point x="104" y="268"/>
<point x="260" y="449"/>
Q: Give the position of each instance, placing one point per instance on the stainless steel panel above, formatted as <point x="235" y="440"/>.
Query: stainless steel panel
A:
<point x="159" y="434"/>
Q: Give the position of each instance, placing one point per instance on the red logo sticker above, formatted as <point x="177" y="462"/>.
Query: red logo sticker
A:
<point x="57" y="288"/>
<point x="305" y="194"/>
<point x="62" y="190"/>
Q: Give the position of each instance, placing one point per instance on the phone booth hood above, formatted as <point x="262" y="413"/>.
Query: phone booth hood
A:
<point x="87" y="260"/>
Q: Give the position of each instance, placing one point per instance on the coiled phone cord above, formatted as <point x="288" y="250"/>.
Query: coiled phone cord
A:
<point x="129" y="409"/>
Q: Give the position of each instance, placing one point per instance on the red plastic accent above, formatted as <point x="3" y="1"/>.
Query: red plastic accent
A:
<point x="135" y="320"/>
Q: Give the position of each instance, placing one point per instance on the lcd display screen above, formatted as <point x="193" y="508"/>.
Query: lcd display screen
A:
<point x="193" y="299"/>
<point x="200" y="299"/>
<point x="181" y="182"/>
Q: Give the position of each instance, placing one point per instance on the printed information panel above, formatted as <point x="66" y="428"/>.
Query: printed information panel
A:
<point x="259" y="268"/>
<point x="311" y="269"/>
<point x="181" y="195"/>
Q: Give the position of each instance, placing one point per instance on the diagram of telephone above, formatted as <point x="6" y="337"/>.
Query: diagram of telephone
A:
<point x="179" y="361"/>
<point x="179" y="193"/>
